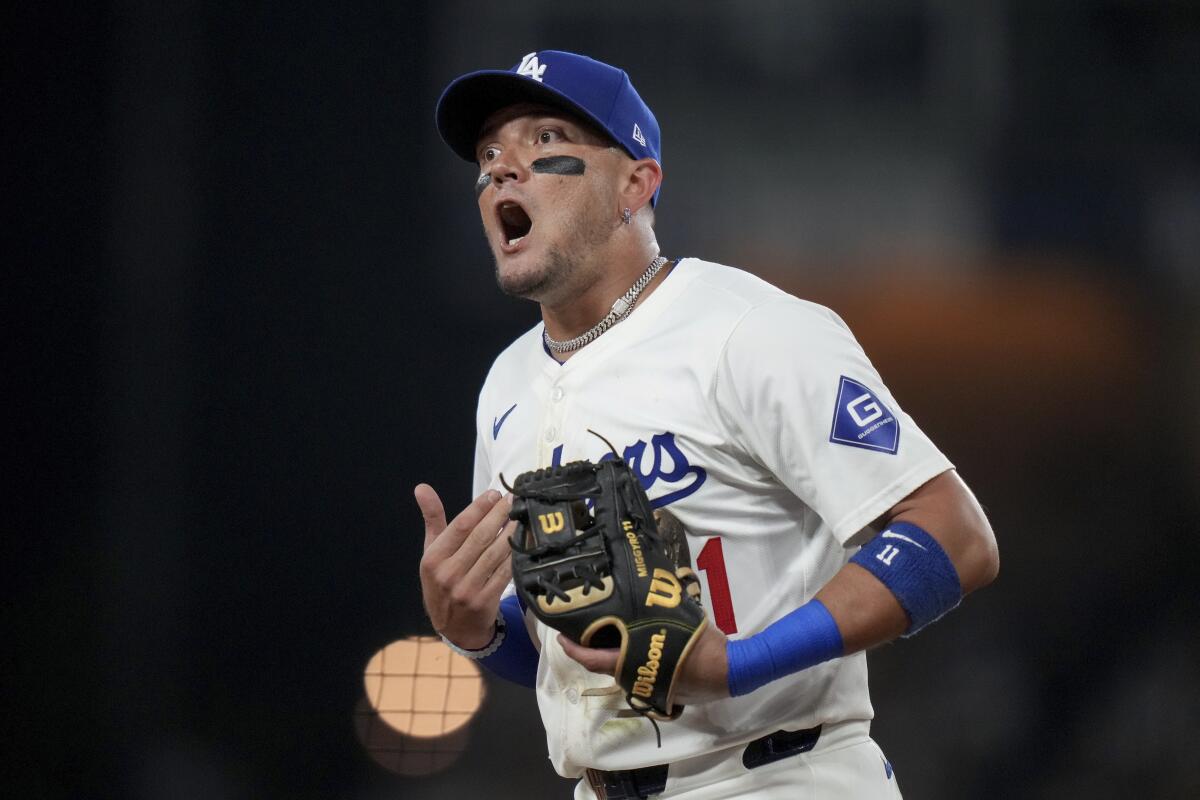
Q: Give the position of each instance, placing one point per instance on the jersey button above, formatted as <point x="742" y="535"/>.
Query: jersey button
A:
<point x="558" y="393"/>
<point x="572" y="695"/>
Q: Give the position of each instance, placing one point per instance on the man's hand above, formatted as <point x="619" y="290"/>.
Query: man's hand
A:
<point x="465" y="567"/>
<point x="705" y="673"/>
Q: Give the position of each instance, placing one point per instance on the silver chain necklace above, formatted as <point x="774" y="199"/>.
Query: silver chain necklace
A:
<point x="620" y="310"/>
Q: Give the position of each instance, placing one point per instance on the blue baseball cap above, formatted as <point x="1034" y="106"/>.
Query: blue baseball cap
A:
<point x="590" y="89"/>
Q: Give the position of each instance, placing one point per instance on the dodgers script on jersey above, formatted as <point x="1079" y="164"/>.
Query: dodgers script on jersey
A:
<point x="756" y="419"/>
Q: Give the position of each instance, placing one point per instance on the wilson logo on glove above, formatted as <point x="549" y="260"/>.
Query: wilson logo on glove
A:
<point x="648" y="672"/>
<point x="665" y="589"/>
<point x="551" y="523"/>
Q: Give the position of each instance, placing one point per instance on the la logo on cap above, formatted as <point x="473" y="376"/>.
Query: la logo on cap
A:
<point x="530" y="67"/>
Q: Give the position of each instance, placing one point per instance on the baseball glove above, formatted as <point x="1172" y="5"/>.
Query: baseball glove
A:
<point x="588" y="560"/>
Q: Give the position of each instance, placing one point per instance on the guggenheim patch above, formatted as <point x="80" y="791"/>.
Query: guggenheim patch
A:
<point x="860" y="419"/>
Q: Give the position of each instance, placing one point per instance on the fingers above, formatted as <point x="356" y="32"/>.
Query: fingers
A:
<point x="451" y="538"/>
<point x="601" y="661"/>
<point x="499" y="579"/>
<point x="493" y="569"/>
<point x="432" y="510"/>
<point x="483" y="533"/>
<point x="466" y="565"/>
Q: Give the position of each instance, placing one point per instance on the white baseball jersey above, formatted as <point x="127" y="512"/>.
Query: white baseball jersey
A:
<point x="757" y="420"/>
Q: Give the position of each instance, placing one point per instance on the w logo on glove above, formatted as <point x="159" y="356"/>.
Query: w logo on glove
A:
<point x="552" y="522"/>
<point x="665" y="589"/>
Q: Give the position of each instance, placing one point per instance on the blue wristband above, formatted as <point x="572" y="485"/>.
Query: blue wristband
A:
<point x="805" y="637"/>
<point x="516" y="659"/>
<point x="915" y="568"/>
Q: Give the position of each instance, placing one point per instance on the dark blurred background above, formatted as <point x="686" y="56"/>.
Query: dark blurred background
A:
<point x="250" y="308"/>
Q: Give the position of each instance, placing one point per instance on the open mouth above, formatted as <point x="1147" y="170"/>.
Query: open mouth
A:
<point x="514" y="222"/>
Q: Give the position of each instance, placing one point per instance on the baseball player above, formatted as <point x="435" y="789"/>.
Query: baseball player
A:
<point x="819" y="518"/>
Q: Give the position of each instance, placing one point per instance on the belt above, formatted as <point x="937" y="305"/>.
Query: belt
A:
<point x="638" y="784"/>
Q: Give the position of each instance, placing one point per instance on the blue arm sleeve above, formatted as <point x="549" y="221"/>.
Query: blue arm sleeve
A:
<point x="805" y="637"/>
<point x="517" y="658"/>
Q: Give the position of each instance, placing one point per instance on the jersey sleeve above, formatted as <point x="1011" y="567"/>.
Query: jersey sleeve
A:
<point x="799" y="395"/>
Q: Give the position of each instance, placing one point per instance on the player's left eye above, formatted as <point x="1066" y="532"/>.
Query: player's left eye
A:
<point x="548" y="136"/>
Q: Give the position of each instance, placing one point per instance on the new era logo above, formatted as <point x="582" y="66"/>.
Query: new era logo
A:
<point x="530" y="67"/>
<point x="637" y="135"/>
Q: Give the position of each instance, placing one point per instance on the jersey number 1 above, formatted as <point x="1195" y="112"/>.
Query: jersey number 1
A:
<point x="712" y="561"/>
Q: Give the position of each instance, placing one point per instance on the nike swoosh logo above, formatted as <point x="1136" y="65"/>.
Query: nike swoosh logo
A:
<point x="894" y="535"/>
<point x="497" y="422"/>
